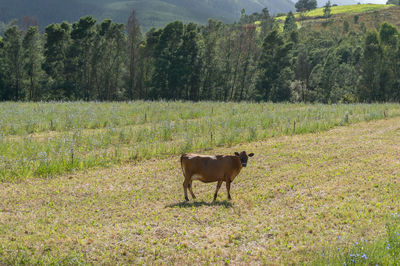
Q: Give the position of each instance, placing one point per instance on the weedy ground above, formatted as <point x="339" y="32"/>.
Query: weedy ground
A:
<point x="381" y="251"/>
<point x="56" y="138"/>
<point x="298" y="196"/>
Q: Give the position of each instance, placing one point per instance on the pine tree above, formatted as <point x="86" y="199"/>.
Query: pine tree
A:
<point x="82" y="35"/>
<point x="290" y="23"/>
<point x="192" y="65"/>
<point x="3" y="91"/>
<point x="107" y="60"/>
<point x="13" y="59"/>
<point x="274" y="58"/>
<point x="371" y="67"/>
<point x="389" y="35"/>
<point x="134" y="39"/>
<point x="57" y="43"/>
<point x="33" y="61"/>
<point x="266" y="23"/>
<point x="327" y="9"/>
<point x="211" y="69"/>
<point x="168" y="64"/>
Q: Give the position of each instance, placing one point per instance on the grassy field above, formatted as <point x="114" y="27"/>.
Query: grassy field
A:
<point x="336" y="10"/>
<point x="381" y="251"/>
<point x="299" y="196"/>
<point x="56" y="138"/>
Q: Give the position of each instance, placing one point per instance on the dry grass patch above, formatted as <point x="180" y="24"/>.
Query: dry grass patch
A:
<point x="357" y="22"/>
<point x="297" y="195"/>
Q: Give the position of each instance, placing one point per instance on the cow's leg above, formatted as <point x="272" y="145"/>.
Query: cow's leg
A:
<point x="185" y="186"/>
<point x="190" y="189"/>
<point x="216" y="191"/>
<point x="228" y="188"/>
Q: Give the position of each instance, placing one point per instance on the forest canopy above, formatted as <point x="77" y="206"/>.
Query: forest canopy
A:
<point x="254" y="59"/>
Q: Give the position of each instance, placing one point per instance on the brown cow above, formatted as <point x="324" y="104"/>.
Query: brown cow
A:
<point x="208" y="169"/>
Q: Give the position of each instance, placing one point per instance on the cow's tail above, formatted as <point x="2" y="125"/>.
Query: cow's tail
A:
<point x="183" y="168"/>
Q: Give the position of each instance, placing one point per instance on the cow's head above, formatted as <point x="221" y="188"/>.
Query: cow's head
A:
<point x="244" y="157"/>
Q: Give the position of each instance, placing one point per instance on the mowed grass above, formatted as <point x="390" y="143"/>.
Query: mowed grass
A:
<point x="345" y="9"/>
<point x="299" y="196"/>
<point x="47" y="139"/>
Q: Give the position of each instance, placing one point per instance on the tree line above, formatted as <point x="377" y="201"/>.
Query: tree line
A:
<point x="254" y="59"/>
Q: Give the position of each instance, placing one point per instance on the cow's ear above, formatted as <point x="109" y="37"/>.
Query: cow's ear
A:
<point x="237" y="154"/>
<point x="251" y="155"/>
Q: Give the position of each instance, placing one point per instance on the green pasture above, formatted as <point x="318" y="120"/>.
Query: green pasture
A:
<point x="323" y="198"/>
<point x="45" y="139"/>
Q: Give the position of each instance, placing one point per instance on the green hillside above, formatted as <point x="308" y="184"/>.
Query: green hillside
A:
<point x="337" y="10"/>
<point x="150" y="12"/>
<point x="358" y="17"/>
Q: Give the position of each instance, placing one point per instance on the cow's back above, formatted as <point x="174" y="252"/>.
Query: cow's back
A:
<point x="209" y="168"/>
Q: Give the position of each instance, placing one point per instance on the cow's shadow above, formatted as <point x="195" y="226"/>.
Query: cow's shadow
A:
<point x="189" y="204"/>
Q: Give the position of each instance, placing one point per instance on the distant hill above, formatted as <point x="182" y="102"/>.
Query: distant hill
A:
<point x="351" y="2"/>
<point x="150" y="12"/>
<point x="338" y="2"/>
<point x="359" y="17"/>
<point x="315" y="15"/>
